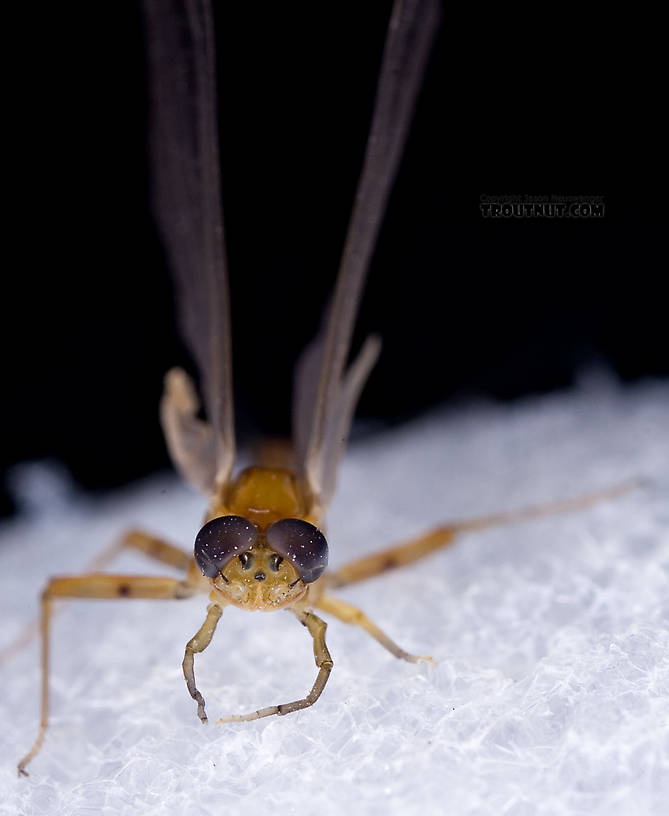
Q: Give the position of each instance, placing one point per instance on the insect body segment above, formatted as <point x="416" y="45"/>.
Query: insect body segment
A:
<point x="261" y="552"/>
<point x="264" y="495"/>
<point x="259" y="580"/>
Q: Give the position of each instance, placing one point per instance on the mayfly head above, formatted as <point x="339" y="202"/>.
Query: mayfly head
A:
<point x="261" y="569"/>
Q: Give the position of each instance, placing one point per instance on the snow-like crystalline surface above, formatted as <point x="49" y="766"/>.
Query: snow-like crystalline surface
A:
<point x="550" y="693"/>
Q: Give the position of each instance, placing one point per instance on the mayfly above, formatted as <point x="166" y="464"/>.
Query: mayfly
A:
<point x="262" y="545"/>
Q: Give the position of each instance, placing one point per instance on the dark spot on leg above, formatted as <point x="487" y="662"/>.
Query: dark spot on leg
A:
<point x="123" y="590"/>
<point x="389" y="563"/>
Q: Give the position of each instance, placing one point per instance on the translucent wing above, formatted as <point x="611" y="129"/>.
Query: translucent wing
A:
<point x="325" y="395"/>
<point x="186" y="182"/>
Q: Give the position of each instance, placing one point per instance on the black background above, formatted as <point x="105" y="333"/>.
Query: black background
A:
<point x="465" y="306"/>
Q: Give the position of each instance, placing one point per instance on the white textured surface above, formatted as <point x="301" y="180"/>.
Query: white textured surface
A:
<point x="551" y="690"/>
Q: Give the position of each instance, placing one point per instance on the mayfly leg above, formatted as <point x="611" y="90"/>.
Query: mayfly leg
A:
<point x="443" y="536"/>
<point x="198" y="643"/>
<point x="92" y="586"/>
<point x="356" y="617"/>
<point x="154" y="548"/>
<point x="317" y="628"/>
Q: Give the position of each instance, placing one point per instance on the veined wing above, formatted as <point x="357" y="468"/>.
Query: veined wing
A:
<point x="326" y="394"/>
<point x="186" y="184"/>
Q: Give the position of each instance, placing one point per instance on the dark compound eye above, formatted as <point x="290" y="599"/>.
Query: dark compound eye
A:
<point x="220" y="540"/>
<point x="302" y="544"/>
